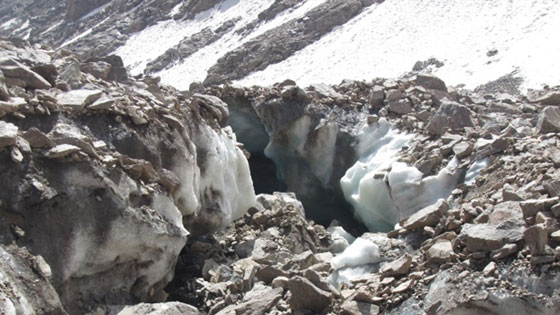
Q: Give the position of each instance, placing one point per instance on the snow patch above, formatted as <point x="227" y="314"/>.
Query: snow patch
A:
<point x="388" y="38"/>
<point x="82" y="35"/>
<point x="383" y="190"/>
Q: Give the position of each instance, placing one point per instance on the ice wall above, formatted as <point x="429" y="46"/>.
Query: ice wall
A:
<point x="383" y="190"/>
<point x="222" y="182"/>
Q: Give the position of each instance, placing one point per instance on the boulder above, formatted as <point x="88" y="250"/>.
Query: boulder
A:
<point x="549" y="120"/>
<point x="8" y="134"/>
<point x="397" y="267"/>
<point x="25" y="284"/>
<point x="531" y="207"/>
<point x="428" y="216"/>
<point x="169" y="308"/>
<point x="257" y="301"/>
<point x="504" y="251"/>
<point x="401" y="106"/>
<point x="99" y="69"/>
<point x="550" y="98"/>
<point x="13" y="105"/>
<point x="488" y="237"/>
<point x="306" y="296"/>
<point x="16" y="70"/>
<point x="536" y="238"/>
<point x="76" y="100"/>
<point x="450" y="116"/>
<point x="441" y="252"/>
<point x="376" y="96"/>
<point x="61" y="150"/>
<point x="430" y="81"/>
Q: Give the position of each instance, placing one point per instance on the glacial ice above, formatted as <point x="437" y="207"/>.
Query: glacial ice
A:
<point x="384" y="191"/>
<point x="475" y="170"/>
<point x="360" y="258"/>
<point x="378" y="148"/>
<point x="360" y="252"/>
<point x="224" y="180"/>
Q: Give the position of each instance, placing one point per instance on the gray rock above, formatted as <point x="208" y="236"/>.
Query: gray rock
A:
<point x="76" y="100"/>
<point x="257" y="301"/>
<point x="441" y="252"/>
<point x="305" y="295"/>
<point x="169" y="308"/>
<point x="99" y="69"/>
<point x="550" y="98"/>
<point x="359" y="308"/>
<point x="504" y="251"/>
<point x="376" y="96"/>
<point x="394" y="95"/>
<point x="4" y="93"/>
<point x="216" y="106"/>
<point x="496" y="146"/>
<point x="102" y="103"/>
<point x="428" y="216"/>
<point x="450" y="116"/>
<point x="397" y="267"/>
<point x="401" y="106"/>
<point x="488" y="237"/>
<point x="37" y="139"/>
<point x="8" y="134"/>
<point x="268" y="273"/>
<point x="430" y="81"/>
<point x="536" y="238"/>
<point x="13" y="105"/>
<point x="16" y="70"/>
<point x="25" y="283"/>
<point x="462" y="149"/>
<point x="531" y="207"/>
<point x="549" y="120"/>
<point x="61" y="150"/>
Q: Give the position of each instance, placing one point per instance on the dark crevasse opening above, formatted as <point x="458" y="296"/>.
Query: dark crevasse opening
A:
<point x="322" y="205"/>
<point x="263" y="173"/>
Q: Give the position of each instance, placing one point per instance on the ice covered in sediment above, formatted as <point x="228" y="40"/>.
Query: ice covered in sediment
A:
<point x="360" y="252"/>
<point x="383" y="190"/>
<point x="223" y="179"/>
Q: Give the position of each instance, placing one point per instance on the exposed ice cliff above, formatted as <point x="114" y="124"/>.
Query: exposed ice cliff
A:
<point x="107" y="179"/>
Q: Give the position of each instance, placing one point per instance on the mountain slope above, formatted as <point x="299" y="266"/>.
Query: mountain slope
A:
<point x="267" y="41"/>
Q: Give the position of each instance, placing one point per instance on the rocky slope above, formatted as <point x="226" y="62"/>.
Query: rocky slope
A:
<point x="315" y="41"/>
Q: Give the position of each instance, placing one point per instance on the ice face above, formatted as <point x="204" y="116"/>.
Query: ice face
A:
<point x="366" y="190"/>
<point x="384" y="191"/>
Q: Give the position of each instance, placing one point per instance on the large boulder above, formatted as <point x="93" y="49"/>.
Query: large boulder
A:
<point x="549" y="120"/>
<point x="430" y="81"/>
<point x="450" y="116"/>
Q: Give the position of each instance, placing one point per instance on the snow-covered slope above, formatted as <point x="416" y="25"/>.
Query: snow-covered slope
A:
<point x="387" y="39"/>
<point x="261" y="42"/>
